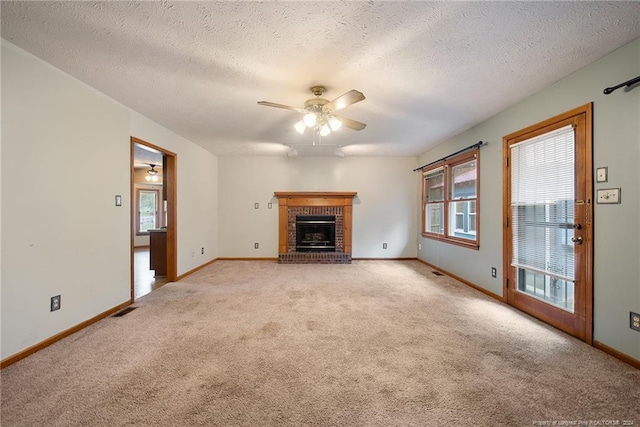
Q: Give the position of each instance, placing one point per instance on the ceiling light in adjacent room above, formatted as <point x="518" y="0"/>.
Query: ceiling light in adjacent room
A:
<point x="152" y="174"/>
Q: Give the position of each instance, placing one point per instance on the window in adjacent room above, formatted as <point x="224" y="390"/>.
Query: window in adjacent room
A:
<point x="148" y="207"/>
<point x="450" y="200"/>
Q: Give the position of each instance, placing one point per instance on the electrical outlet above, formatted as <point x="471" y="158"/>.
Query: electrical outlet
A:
<point x="55" y="303"/>
<point x="256" y="245"/>
<point x="634" y="321"/>
<point x="384" y="246"/>
<point x="494" y="272"/>
<point x="419" y="246"/>
<point x="269" y="205"/>
<point x="202" y="251"/>
<point x="256" y="205"/>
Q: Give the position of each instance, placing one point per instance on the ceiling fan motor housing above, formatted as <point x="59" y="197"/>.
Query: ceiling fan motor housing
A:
<point x="318" y="90"/>
<point x="315" y="104"/>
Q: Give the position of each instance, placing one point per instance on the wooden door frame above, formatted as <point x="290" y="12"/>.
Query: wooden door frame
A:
<point x="585" y="157"/>
<point x="171" y="182"/>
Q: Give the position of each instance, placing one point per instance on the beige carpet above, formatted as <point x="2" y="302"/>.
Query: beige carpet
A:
<point x="374" y="343"/>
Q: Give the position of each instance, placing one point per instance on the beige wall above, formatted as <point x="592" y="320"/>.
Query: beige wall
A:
<point x="384" y="210"/>
<point x="79" y="245"/>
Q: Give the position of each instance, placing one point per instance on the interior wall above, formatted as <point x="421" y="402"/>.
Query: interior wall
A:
<point x="384" y="211"/>
<point x="616" y="130"/>
<point x="61" y="231"/>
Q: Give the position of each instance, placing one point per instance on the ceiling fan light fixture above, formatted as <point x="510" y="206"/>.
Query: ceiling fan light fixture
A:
<point x="310" y="119"/>
<point x="325" y="130"/>
<point x="152" y="174"/>
<point x="300" y="127"/>
<point x="334" y="123"/>
<point x="317" y="113"/>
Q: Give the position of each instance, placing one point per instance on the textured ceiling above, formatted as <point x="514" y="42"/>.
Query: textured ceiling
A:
<point x="429" y="70"/>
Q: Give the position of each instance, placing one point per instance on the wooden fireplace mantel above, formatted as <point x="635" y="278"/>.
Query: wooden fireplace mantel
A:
<point x="315" y="198"/>
<point x="289" y="199"/>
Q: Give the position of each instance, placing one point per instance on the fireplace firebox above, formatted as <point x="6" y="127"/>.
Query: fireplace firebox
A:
<point x="315" y="233"/>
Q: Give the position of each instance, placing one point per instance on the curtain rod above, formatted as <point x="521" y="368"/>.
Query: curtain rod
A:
<point x="628" y="83"/>
<point x="471" y="147"/>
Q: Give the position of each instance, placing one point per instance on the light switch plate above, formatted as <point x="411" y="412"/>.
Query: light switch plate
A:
<point x="602" y="174"/>
<point x="608" y="196"/>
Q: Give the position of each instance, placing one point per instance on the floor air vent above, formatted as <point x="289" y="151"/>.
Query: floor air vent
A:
<point x="437" y="273"/>
<point x="125" y="311"/>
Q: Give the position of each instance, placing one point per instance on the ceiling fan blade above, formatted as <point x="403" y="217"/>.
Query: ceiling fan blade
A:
<point x="286" y="107"/>
<point x="351" y="124"/>
<point x="345" y="100"/>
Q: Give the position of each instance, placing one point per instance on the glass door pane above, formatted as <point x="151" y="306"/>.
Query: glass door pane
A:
<point x="542" y="210"/>
<point x="552" y="290"/>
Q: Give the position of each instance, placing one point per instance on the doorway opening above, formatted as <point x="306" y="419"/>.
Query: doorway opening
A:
<point x="153" y="217"/>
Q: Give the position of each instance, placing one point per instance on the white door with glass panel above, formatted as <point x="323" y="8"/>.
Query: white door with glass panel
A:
<point x="548" y="224"/>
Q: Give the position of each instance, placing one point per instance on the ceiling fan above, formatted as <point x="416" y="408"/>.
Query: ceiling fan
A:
<point x="319" y="112"/>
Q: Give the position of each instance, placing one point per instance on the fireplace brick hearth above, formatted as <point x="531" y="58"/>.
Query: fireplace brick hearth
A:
<point x="315" y="258"/>
<point x="293" y="204"/>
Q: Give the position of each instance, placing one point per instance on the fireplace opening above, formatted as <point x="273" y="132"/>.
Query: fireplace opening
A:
<point x="315" y="233"/>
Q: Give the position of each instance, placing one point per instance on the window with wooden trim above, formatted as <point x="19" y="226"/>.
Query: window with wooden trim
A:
<point x="149" y="210"/>
<point x="450" y="197"/>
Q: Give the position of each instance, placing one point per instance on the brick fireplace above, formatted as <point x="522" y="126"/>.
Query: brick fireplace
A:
<point x="314" y="204"/>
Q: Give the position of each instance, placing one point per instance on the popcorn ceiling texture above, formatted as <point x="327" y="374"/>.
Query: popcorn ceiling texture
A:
<point x="429" y="69"/>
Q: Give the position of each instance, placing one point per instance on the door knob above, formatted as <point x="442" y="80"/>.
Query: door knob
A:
<point x="577" y="240"/>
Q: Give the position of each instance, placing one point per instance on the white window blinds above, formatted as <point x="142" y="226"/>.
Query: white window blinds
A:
<point x="542" y="203"/>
